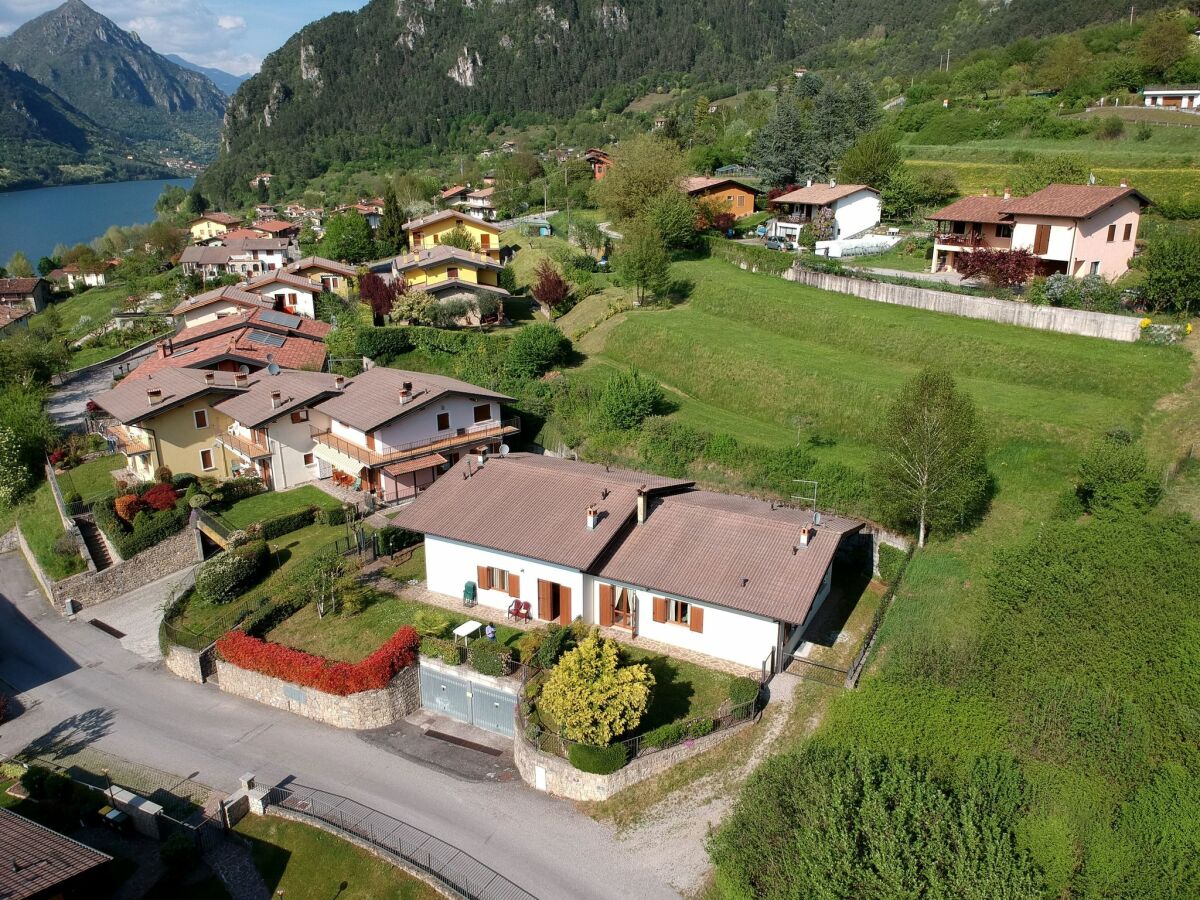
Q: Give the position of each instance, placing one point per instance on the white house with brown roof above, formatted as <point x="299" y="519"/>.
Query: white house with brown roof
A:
<point x="393" y="432"/>
<point x="652" y="558"/>
<point x="292" y="294"/>
<point x="230" y="300"/>
<point x="855" y="209"/>
<point x="481" y="204"/>
<point x="240" y="256"/>
<point x="1076" y="229"/>
<point x="1184" y="96"/>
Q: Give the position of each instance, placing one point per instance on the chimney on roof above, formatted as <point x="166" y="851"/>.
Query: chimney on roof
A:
<point x="276" y="399"/>
<point x="833" y="182"/>
<point x="808" y="183"/>
<point x="210" y="377"/>
<point x="807" y="533"/>
<point x="1124" y="182"/>
<point x="641" y="504"/>
<point x="154" y="396"/>
<point x="164" y="349"/>
<point x="339" y="382"/>
<point x="593" y="516"/>
<point x="405" y="392"/>
<point x="1008" y="193"/>
<point x="241" y="379"/>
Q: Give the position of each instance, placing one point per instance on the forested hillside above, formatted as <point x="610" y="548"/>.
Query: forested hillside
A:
<point x="438" y="75"/>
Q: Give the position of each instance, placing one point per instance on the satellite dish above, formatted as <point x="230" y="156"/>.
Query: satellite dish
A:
<point x="273" y="369"/>
<point x="244" y="369"/>
<point x="270" y="357"/>
<point x="504" y="449"/>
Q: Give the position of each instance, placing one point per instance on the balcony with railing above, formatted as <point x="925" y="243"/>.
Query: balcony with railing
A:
<point x="127" y="443"/>
<point x="461" y="437"/>
<point x="243" y="446"/>
<point x="972" y="241"/>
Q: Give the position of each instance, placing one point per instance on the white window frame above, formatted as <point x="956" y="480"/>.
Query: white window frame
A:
<point x="672" y="610"/>
<point x="212" y="459"/>
<point x="499" y="579"/>
<point x="196" y="414"/>
<point x="1095" y="269"/>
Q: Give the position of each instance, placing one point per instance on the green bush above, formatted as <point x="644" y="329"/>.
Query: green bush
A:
<point x="393" y="539"/>
<point x="555" y="643"/>
<point x="742" y="690"/>
<point x="628" y="399"/>
<point x="891" y="563"/>
<point x="335" y="515"/>
<point x="536" y="349"/>
<point x="676" y="732"/>
<point x="178" y="854"/>
<point x="489" y="657"/>
<point x="1115" y="473"/>
<point x="440" y="648"/>
<point x="224" y="576"/>
<point x="598" y="760"/>
<point x="286" y="523"/>
<point x="153" y="528"/>
<point x="431" y="623"/>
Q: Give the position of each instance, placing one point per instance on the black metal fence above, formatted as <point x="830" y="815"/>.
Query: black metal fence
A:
<point x="455" y="870"/>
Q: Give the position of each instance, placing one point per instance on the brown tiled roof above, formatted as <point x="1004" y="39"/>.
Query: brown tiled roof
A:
<point x="444" y="253"/>
<point x="732" y="551"/>
<point x="414" y="465"/>
<point x="313" y="329"/>
<point x="18" y="285"/>
<point x="1072" y="201"/>
<point x="34" y="859"/>
<point x="219" y="217"/>
<point x="238" y="347"/>
<point x="482" y="193"/>
<point x="440" y="287"/>
<point x="1172" y="89"/>
<point x="298" y="389"/>
<point x="10" y="314"/>
<point x="595" y="153"/>
<point x="274" y="226"/>
<point x="452" y="191"/>
<point x="532" y="506"/>
<point x="320" y="262"/>
<point x="281" y="276"/>
<point x="238" y="234"/>
<point x="444" y="214"/>
<point x="229" y="294"/>
<point x="129" y="404"/>
<point x="982" y="208"/>
<point x="822" y="194"/>
<point x="372" y="399"/>
<point x="696" y="183"/>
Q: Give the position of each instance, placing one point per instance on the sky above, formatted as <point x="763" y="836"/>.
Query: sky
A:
<point x="233" y="35"/>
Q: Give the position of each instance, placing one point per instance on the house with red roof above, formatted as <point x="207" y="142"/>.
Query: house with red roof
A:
<point x="275" y="228"/>
<point x="1072" y="229"/>
<point x="852" y="208"/>
<point x="599" y="160"/>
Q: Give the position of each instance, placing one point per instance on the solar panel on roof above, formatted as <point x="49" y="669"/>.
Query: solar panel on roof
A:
<point x="277" y="318"/>
<point x="263" y="337"/>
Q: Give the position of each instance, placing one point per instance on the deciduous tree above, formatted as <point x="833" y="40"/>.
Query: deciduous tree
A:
<point x="1172" y="267"/>
<point x="549" y="288"/>
<point x="871" y="159"/>
<point x="460" y="237"/>
<point x="348" y="237"/>
<point x="641" y="259"/>
<point x="1003" y="268"/>
<point x="379" y="294"/>
<point x="642" y="168"/>
<point x="932" y="468"/>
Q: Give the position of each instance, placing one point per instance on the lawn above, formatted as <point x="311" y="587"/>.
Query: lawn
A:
<point x="276" y="503"/>
<point x="92" y="479"/>
<point x="351" y="638"/>
<point x="682" y="690"/>
<point x="85" y="312"/>
<point x="300" y="862"/>
<point x="42" y="527"/>
<point x="892" y="259"/>
<point x="290" y="552"/>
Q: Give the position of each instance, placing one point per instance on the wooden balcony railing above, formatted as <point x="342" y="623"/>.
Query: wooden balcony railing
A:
<point x="126" y="442"/>
<point x="246" y="447"/>
<point x="461" y="437"/>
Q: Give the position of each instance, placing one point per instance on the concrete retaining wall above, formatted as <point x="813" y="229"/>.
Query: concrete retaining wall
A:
<point x="366" y="709"/>
<point x="89" y="588"/>
<point x="557" y="776"/>
<point x="1043" y="318"/>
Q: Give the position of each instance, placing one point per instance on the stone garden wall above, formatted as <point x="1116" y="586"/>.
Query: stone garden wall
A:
<point x="89" y="588"/>
<point x="364" y="710"/>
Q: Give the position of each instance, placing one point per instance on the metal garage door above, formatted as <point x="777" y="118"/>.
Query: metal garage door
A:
<point x="468" y="701"/>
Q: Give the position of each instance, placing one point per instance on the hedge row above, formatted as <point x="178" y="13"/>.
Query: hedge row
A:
<point x="392" y="341"/>
<point x="891" y="563"/>
<point x="228" y="574"/>
<point x="147" y="530"/>
<point x="441" y="648"/>
<point x="340" y="678"/>
<point x="286" y="523"/>
<point x="489" y="657"/>
<point x="597" y="760"/>
<point x="393" y="539"/>
<point x="675" y="732"/>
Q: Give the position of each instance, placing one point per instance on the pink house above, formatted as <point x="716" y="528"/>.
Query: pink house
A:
<point x="1076" y="229"/>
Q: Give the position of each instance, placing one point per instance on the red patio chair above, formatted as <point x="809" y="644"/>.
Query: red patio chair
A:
<point x="525" y="610"/>
<point x="514" y="611"/>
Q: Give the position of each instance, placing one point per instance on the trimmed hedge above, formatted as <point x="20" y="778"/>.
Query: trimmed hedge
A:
<point x="441" y="648"/>
<point x="388" y="342"/>
<point x="335" y="515"/>
<point x="373" y="673"/>
<point x="597" y="760"/>
<point x="742" y="690"/>
<point x="891" y="563"/>
<point x="489" y="657"/>
<point x="148" y="528"/>
<point x="675" y="732"/>
<point x="393" y="539"/>
<point x="285" y="523"/>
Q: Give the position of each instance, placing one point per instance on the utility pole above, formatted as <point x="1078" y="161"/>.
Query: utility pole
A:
<point x="1131" y="14"/>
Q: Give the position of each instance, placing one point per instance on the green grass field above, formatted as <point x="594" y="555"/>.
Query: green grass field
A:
<point x="276" y="503"/>
<point x="92" y="479"/>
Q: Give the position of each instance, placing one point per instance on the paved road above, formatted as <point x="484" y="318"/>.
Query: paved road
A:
<point x="68" y="404"/>
<point x="83" y="686"/>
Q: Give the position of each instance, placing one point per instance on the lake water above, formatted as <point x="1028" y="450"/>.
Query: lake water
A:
<point x="34" y="221"/>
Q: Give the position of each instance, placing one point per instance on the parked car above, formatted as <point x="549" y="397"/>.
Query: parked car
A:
<point x="777" y="243"/>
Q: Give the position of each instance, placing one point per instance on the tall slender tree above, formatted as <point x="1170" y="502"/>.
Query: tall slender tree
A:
<point x="389" y="237"/>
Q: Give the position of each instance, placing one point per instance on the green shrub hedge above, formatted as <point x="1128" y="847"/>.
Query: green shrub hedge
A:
<point x="597" y="760"/>
<point x="742" y="690"/>
<point x="674" y="732"/>
<point x="489" y="657"/>
<point x="148" y="528"/>
<point x="286" y="523"/>
<point x="227" y="574"/>
<point x="335" y="515"/>
<point x="891" y="563"/>
<point x="393" y="539"/>
<point x="441" y="648"/>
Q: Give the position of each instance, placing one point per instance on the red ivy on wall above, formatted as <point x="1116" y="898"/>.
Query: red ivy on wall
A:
<point x="341" y="678"/>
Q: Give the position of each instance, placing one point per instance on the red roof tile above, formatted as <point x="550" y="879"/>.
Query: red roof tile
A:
<point x="36" y="859"/>
<point x="1072" y="201"/>
<point x="984" y="208"/>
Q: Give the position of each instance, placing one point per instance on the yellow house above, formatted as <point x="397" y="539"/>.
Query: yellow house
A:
<point x="427" y="232"/>
<point x="168" y="419"/>
<point x="335" y="277"/>
<point x="211" y="225"/>
<point x="442" y="269"/>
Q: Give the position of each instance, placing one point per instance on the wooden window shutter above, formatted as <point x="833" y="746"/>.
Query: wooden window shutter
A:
<point x="483" y="577"/>
<point x="696" y="618"/>
<point x="544" y="593"/>
<point x="1041" y="239"/>
<point x="564" y="604"/>
<point x="514" y="585"/>
<point x="660" y="609"/>
<point x="606" y="604"/>
<point x="1112" y="233"/>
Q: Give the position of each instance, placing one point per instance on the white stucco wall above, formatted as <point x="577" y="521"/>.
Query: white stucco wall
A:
<point x="304" y="303"/>
<point x="210" y="312"/>
<point x="449" y="565"/>
<point x="728" y="634"/>
<point x="421" y="424"/>
<point x="1062" y="236"/>
<point x="289" y="442"/>
<point x="855" y="214"/>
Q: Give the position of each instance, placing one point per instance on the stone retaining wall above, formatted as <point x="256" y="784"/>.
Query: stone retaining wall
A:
<point x="1044" y="318"/>
<point x="364" y="710"/>
<point x="557" y="776"/>
<point x="184" y="662"/>
<point x="89" y="588"/>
